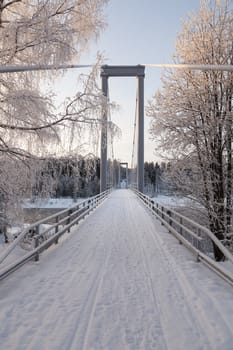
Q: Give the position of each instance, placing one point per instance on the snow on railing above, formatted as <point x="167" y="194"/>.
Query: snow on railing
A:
<point x="198" y="239"/>
<point x="43" y="235"/>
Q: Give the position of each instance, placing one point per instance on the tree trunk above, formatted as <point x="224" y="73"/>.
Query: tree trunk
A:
<point x="217" y="229"/>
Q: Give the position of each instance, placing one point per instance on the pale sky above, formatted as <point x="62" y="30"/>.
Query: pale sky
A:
<point x="137" y="32"/>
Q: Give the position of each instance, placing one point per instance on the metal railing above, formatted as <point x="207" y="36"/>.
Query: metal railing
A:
<point x="42" y="235"/>
<point x="198" y="239"/>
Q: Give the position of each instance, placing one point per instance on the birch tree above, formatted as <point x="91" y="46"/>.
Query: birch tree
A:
<point x="46" y="32"/>
<point x="40" y="32"/>
<point x="192" y="114"/>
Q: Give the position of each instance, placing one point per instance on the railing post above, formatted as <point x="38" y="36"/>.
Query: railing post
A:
<point x="37" y="240"/>
<point x="69" y="213"/>
<point x="37" y="230"/>
<point x="162" y="214"/>
<point x="152" y="205"/>
<point x="77" y="209"/>
<point x="170" y="218"/>
<point x="36" y="245"/>
<point x="181" y="229"/>
<point x="198" y="242"/>
<point x="57" y="226"/>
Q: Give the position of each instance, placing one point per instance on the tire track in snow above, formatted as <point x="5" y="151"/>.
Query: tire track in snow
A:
<point x="148" y="274"/>
<point x="65" y="295"/>
<point x="89" y="309"/>
<point x="160" y="340"/>
<point x="191" y="326"/>
<point x="115" y="284"/>
<point x="125" y="295"/>
<point x="167" y="274"/>
<point x="64" y="277"/>
<point x="83" y="324"/>
<point x="187" y="295"/>
<point x="203" y="303"/>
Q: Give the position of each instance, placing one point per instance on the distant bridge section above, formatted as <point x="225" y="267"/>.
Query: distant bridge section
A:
<point x="123" y="71"/>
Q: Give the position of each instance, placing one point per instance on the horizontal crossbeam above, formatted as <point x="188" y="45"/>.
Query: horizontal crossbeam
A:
<point x="123" y="71"/>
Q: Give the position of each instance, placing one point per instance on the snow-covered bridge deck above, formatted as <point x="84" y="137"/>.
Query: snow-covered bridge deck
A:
<point x="120" y="281"/>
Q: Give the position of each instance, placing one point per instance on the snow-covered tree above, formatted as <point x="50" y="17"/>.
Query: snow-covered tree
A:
<point x="42" y="32"/>
<point x="47" y="32"/>
<point x="192" y="114"/>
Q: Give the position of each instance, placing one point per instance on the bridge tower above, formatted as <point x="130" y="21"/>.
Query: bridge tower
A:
<point x="123" y="71"/>
<point x="126" y="174"/>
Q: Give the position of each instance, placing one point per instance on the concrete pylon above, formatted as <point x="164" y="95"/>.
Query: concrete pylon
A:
<point x="104" y="139"/>
<point x="123" y="71"/>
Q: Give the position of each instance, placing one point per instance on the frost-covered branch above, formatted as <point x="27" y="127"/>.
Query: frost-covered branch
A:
<point x="41" y="33"/>
<point x="192" y="114"/>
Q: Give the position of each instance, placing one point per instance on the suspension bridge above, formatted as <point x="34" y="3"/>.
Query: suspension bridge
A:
<point x="116" y="280"/>
<point x="117" y="271"/>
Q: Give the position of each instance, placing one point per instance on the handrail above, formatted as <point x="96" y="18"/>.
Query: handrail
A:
<point x="30" y="227"/>
<point x="73" y="215"/>
<point x="213" y="238"/>
<point x="35" y="252"/>
<point x="161" y="213"/>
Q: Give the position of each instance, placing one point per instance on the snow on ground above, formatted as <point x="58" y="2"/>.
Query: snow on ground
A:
<point x="120" y="281"/>
<point x="175" y="201"/>
<point x="38" y="203"/>
<point x="17" y="252"/>
<point x="50" y="202"/>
